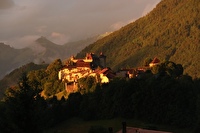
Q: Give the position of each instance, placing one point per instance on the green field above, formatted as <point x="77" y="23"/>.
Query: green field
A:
<point x="76" y="125"/>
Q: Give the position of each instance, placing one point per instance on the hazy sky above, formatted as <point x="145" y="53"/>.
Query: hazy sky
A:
<point x="61" y="21"/>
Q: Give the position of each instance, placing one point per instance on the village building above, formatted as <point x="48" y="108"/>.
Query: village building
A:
<point x="126" y="73"/>
<point x="106" y="75"/>
<point x="155" y="62"/>
<point x="91" y="65"/>
<point x="95" y="66"/>
<point x="132" y="72"/>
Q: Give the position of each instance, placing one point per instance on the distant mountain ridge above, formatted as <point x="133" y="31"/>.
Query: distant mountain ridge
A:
<point x="41" y="51"/>
<point x="171" y="31"/>
<point x="11" y="58"/>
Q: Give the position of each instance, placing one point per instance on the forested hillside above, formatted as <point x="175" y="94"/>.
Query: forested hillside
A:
<point x="13" y="78"/>
<point x="170" y="32"/>
<point x="172" y="100"/>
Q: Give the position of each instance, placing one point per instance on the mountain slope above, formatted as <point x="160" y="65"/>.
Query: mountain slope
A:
<point x="42" y="50"/>
<point x="171" y="31"/>
<point x="72" y="48"/>
<point x="11" y="58"/>
<point x="13" y="78"/>
<point x="46" y="51"/>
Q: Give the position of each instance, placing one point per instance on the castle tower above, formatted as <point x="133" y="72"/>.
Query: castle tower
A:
<point x="102" y="58"/>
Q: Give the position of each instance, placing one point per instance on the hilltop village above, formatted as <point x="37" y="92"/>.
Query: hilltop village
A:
<point x="95" y="66"/>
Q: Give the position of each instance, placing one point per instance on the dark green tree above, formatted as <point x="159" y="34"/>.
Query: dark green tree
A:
<point x="73" y="103"/>
<point x="87" y="84"/>
<point x="25" y="110"/>
<point x="49" y="78"/>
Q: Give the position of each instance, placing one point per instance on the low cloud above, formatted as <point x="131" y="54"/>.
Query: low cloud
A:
<point x="66" y="20"/>
<point x="24" y="41"/>
<point x="118" y="25"/>
<point x="59" y="38"/>
<point x="41" y="29"/>
<point x="6" y="4"/>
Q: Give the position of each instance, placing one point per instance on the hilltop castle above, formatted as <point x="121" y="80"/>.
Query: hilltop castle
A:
<point x="91" y="65"/>
<point x="95" y="66"/>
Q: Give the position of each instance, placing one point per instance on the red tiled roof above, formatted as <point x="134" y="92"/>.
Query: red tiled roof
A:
<point x="155" y="60"/>
<point x="104" y="70"/>
<point x="81" y="63"/>
<point x="69" y="67"/>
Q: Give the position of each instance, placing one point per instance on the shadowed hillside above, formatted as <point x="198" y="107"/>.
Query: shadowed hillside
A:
<point x="170" y="32"/>
<point x="40" y="51"/>
<point x="13" y="78"/>
<point x="11" y="58"/>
